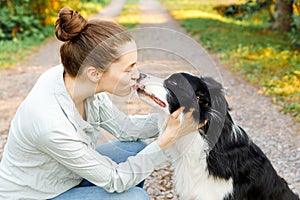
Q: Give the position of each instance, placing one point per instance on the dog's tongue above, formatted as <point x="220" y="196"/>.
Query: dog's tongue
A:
<point x="158" y="101"/>
<point x="140" y="89"/>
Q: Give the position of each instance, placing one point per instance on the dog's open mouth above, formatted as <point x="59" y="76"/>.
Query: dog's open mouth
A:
<point x="140" y="90"/>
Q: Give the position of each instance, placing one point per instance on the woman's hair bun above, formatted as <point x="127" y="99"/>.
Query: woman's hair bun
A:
<point x="69" y="24"/>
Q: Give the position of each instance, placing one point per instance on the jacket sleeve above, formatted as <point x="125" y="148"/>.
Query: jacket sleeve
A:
<point x="125" y="127"/>
<point x="66" y="147"/>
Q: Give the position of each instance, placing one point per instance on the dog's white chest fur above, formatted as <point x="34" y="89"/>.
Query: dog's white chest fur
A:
<point x="192" y="180"/>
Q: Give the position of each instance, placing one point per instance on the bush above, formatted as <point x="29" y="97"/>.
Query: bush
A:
<point x="25" y="24"/>
<point x="19" y="23"/>
<point x="27" y="18"/>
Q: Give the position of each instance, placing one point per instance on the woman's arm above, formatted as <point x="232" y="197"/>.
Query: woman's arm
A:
<point x="125" y="127"/>
<point x="65" y="146"/>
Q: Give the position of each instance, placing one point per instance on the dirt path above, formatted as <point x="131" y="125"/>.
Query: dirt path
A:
<point x="164" y="48"/>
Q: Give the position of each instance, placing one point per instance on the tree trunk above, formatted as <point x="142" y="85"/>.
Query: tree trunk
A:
<point x="283" y="15"/>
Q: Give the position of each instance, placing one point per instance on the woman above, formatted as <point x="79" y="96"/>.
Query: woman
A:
<point x="51" y="149"/>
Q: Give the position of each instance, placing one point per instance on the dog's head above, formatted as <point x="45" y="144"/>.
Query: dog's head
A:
<point x="203" y="94"/>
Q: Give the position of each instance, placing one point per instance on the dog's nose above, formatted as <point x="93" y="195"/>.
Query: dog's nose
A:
<point x="142" y="76"/>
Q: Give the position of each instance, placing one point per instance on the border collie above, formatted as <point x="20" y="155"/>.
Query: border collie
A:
<point x="219" y="161"/>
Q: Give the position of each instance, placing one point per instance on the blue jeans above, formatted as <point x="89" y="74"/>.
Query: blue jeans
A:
<point x="118" y="152"/>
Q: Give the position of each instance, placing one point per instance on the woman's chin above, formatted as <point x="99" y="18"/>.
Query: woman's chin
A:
<point x="123" y="93"/>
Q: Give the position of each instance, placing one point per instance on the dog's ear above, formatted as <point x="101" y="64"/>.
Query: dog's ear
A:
<point x="215" y="110"/>
<point x="213" y="86"/>
<point x="210" y="97"/>
<point x="218" y="105"/>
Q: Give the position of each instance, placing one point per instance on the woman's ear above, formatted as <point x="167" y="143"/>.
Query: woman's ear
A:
<point x="94" y="74"/>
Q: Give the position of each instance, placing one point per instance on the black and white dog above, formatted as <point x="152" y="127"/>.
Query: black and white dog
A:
<point x="219" y="161"/>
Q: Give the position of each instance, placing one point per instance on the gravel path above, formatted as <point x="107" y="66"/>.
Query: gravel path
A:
<point x="164" y="48"/>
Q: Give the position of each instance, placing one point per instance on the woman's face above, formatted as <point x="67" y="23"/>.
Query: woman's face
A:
<point x="122" y="74"/>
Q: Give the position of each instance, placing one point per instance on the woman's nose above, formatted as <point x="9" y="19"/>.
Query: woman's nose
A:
<point x="135" y="74"/>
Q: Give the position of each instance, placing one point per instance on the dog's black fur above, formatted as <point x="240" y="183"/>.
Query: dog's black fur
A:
<point x="232" y="154"/>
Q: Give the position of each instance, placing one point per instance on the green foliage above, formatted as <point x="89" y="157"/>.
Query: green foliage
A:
<point x="19" y="23"/>
<point x="294" y="35"/>
<point x="241" y="11"/>
<point x="26" y="23"/>
<point x="26" y="18"/>
<point x="246" y="10"/>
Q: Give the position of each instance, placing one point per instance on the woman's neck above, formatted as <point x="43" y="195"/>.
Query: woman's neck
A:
<point x="79" y="90"/>
<point x="73" y="87"/>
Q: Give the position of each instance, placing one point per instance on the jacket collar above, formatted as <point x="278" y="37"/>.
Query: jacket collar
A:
<point x="67" y="105"/>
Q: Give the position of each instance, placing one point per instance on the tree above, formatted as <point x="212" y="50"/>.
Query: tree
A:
<point x="283" y="15"/>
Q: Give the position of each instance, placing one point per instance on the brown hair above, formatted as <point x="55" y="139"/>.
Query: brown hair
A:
<point x="94" y="42"/>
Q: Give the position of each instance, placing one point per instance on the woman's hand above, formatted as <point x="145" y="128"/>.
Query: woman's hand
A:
<point x="175" y="128"/>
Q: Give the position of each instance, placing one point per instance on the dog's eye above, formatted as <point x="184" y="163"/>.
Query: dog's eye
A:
<point x="198" y="99"/>
<point x="171" y="82"/>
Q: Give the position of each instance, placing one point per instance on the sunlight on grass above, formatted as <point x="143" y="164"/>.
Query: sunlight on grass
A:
<point x="185" y="14"/>
<point x="284" y="86"/>
<point x="130" y="14"/>
<point x="181" y="14"/>
<point x="194" y="14"/>
<point x="129" y="18"/>
<point x="85" y="9"/>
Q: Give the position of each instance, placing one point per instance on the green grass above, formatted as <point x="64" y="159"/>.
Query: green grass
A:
<point x="265" y="58"/>
<point x="15" y="50"/>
